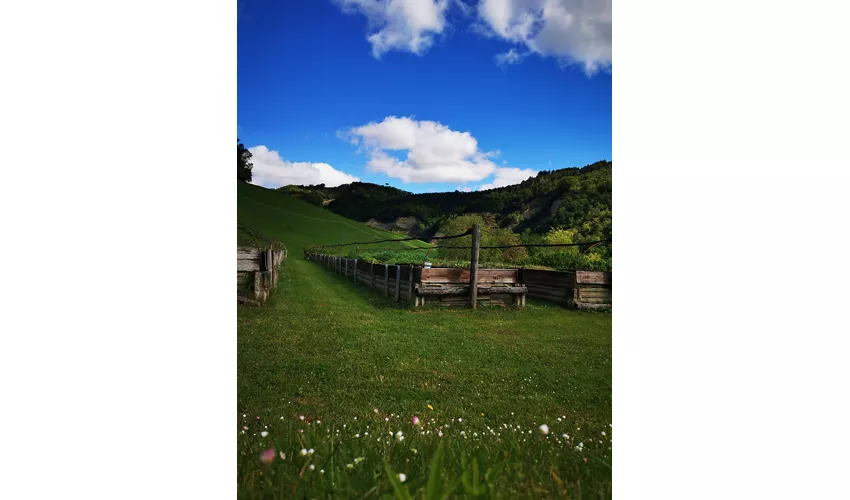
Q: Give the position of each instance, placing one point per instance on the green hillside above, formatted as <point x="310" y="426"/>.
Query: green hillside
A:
<point x="298" y="224"/>
<point x="573" y="199"/>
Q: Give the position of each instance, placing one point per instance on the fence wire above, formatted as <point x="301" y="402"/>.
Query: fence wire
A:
<point x="260" y="240"/>
<point x="435" y="244"/>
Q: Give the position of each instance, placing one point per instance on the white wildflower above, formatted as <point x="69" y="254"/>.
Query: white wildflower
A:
<point x="300" y="417"/>
<point x="357" y="435"/>
<point x="312" y="467"/>
<point x="282" y="456"/>
<point x="350" y="466"/>
<point x="402" y="477"/>
<point x="303" y="451"/>
<point x="264" y="433"/>
<point x="544" y="429"/>
<point x="310" y="451"/>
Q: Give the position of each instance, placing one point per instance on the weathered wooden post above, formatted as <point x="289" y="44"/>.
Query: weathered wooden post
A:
<point x="354" y="274"/>
<point x="410" y="284"/>
<point x="372" y="274"/>
<point x="386" y="280"/>
<point x="397" y="283"/>
<point x="346" y="268"/>
<point x="473" y="266"/>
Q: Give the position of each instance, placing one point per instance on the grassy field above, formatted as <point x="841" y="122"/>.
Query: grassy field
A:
<point x="331" y="376"/>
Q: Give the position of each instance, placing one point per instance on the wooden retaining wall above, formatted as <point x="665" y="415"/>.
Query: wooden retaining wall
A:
<point x="450" y="286"/>
<point x="578" y="289"/>
<point x="440" y="286"/>
<point x="256" y="273"/>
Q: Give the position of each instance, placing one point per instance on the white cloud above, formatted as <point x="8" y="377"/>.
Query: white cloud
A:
<point x="405" y="25"/>
<point x="507" y="176"/>
<point x="572" y="31"/>
<point x="464" y="189"/>
<point x="271" y="171"/>
<point x="510" y="57"/>
<point x="435" y="153"/>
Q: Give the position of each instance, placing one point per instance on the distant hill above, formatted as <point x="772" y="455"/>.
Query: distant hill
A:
<point x="575" y="199"/>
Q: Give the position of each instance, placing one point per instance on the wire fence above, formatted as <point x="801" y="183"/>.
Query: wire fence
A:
<point x="502" y="254"/>
<point x="256" y="237"/>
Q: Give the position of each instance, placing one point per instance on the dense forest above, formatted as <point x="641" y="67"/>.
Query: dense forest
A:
<point x="559" y="206"/>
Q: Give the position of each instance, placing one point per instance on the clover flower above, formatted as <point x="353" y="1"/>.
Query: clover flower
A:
<point x="267" y="456"/>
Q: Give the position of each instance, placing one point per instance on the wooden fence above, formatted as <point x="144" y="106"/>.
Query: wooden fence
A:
<point x="450" y="286"/>
<point x="578" y="289"/>
<point x="256" y="273"/>
<point x="440" y="286"/>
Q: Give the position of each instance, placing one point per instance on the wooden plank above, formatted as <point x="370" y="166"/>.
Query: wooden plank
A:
<point x="549" y="291"/>
<point x="460" y="275"/>
<point x="593" y="292"/>
<point x="397" y="283"/>
<point x="548" y="296"/>
<point x="247" y="265"/>
<point x="596" y="277"/>
<point x="464" y="289"/>
<point x="372" y="273"/>
<point x="543" y="276"/>
<point x="355" y="270"/>
<point x="386" y="280"/>
<point x="585" y="305"/>
<point x="410" y="283"/>
<point x="247" y="253"/>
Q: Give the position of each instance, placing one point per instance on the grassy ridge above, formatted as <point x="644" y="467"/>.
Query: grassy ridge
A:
<point x="298" y="224"/>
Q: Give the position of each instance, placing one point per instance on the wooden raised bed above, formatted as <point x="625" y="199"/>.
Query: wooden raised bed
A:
<point x="578" y="289"/>
<point x="449" y="286"/>
<point x="256" y="273"/>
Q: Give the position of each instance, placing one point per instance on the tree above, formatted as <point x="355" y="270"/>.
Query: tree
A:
<point x="243" y="162"/>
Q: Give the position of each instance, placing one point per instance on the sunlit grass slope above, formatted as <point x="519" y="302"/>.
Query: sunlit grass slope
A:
<point x="298" y="224"/>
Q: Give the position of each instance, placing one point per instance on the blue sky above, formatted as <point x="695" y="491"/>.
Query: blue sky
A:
<point x="423" y="95"/>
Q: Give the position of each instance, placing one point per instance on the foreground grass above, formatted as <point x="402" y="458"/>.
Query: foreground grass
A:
<point x="331" y="367"/>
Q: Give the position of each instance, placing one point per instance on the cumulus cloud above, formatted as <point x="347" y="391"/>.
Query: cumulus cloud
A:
<point x="434" y="152"/>
<point x="572" y="31"/>
<point x="271" y="171"/>
<point x="507" y="176"/>
<point x="464" y="189"/>
<point x="404" y="25"/>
